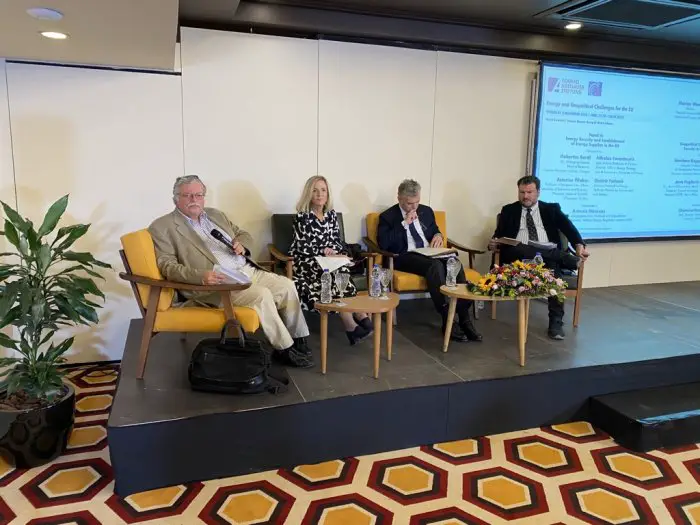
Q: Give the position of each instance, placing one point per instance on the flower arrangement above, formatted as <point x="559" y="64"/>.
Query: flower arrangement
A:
<point x="520" y="279"/>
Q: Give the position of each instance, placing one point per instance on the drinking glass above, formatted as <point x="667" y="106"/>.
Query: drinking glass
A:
<point x="385" y="278"/>
<point x="342" y="279"/>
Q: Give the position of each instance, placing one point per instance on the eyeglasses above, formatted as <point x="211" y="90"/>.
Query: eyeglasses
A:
<point x="188" y="196"/>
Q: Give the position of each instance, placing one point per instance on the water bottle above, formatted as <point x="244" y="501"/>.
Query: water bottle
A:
<point x="375" y="287"/>
<point x="326" y="296"/>
<point x="452" y="271"/>
<point x="538" y="259"/>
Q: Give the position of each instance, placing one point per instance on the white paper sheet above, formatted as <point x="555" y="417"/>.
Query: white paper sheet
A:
<point x="333" y="263"/>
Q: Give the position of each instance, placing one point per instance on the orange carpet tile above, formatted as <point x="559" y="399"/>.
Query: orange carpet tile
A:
<point x="563" y="474"/>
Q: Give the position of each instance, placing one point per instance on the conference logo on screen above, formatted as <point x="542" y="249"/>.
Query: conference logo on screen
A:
<point x="595" y="89"/>
<point x="565" y="86"/>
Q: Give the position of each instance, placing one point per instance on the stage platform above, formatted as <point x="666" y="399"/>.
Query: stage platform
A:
<point x="161" y="433"/>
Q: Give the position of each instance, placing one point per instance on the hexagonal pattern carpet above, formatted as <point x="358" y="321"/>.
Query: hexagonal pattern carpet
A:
<point x="563" y="474"/>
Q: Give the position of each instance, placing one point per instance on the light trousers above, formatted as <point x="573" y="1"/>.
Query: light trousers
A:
<point x="275" y="299"/>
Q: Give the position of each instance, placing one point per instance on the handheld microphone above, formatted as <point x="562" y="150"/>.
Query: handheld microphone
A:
<point x="220" y="237"/>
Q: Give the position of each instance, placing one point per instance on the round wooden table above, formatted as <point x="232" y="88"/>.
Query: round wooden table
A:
<point x="460" y="292"/>
<point x="362" y="302"/>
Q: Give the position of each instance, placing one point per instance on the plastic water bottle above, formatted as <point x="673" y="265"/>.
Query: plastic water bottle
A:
<point x="326" y="296"/>
<point x="538" y="259"/>
<point x="375" y="287"/>
<point x="452" y="271"/>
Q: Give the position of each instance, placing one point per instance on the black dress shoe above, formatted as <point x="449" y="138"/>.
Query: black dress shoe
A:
<point x="468" y="328"/>
<point x="292" y="357"/>
<point x="556" y="329"/>
<point x="457" y="334"/>
<point x="301" y="346"/>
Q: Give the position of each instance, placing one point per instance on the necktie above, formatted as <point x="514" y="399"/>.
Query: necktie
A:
<point x="531" y="228"/>
<point x="415" y="235"/>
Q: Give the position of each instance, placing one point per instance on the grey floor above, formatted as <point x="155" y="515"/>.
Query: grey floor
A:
<point x="617" y="325"/>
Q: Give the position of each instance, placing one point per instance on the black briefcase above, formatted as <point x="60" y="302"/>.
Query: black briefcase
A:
<point x="234" y="365"/>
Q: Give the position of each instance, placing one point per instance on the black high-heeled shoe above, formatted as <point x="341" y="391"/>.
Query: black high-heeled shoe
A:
<point x="357" y="335"/>
<point x="365" y="322"/>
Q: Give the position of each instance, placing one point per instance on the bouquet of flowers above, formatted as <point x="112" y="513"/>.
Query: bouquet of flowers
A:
<point x="519" y="279"/>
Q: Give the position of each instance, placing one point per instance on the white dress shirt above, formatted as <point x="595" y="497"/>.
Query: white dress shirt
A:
<point x="523" y="236"/>
<point x="411" y="241"/>
<point x="225" y="257"/>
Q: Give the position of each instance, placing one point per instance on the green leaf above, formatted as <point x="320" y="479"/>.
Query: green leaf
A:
<point x="87" y="285"/>
<point x="85" y="258"/>
<point x="14" y="218"/>
<point x="44" y="257"/>
<point x="33" y="239"/>
<point x="53" y="216"/>
<point x="76" y="232"/>
<point x="9" y="296"/>
<point x="7" y="342"/>
<point x="55" y="352"/>
<point x="11" y="234"/>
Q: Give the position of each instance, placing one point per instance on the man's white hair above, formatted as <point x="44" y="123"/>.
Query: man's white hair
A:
<point x="186" y="179"/>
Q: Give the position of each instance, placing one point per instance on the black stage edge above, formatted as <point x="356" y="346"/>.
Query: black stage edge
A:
<point x="652" y="418"/>
<point x="161" y="433"/>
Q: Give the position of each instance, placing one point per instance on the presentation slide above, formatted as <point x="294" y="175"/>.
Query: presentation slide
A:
<point x="620" y="151"/>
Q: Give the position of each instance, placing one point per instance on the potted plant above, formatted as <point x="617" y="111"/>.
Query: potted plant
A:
<point x="44" y="286"/>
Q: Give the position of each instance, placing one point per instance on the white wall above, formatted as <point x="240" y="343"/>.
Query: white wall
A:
<point x="375" y="125"/>
<point x="7" y="186"/>
<point x="250" y="107"/>
<point x="482" y="108"/>
<point x="113" y="141"/>
<point x="255" y="116"/>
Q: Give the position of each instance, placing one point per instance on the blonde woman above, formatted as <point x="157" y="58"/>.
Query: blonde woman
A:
<point x="316" y="232"/>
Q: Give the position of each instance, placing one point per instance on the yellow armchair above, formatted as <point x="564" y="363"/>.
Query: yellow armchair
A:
<point x="404" y="282"/>
<point x="154" y="296"/>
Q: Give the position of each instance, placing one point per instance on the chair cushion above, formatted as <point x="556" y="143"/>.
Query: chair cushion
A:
<point x="571" y="281"/>
<point x="141" y="255"/>
<point x="202" y="319"/>
<point x="410" y="282"/>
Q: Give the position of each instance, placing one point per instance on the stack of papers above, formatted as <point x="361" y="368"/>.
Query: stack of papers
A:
<point x="233" y="276"/>
<point x="435" y="252"/>
<point x="333" y="263"/>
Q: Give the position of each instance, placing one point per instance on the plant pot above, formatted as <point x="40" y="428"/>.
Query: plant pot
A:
<point x="36" y="436"/>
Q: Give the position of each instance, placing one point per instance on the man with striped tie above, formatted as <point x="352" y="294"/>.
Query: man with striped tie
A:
<point x="531" y="220"/>
<point x="410" y="225"/>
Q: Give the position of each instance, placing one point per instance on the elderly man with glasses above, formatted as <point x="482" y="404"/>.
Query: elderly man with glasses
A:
<point x="187" y="251"/>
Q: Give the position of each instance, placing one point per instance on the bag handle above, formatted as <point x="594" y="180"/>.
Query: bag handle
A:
<point x="235" y="324"/>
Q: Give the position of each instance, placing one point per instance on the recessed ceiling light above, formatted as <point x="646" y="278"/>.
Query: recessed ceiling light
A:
<point x="54" y="35"/>
<point x="573" y="26"/>
<point x="43" y="13"/>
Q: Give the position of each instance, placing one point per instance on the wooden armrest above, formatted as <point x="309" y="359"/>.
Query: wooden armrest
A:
<point x="377" y="250"/>
<point x="183" y="286"/>
<point x="268" y="264"/>
<point x="283" y="257"/>
<point x="453" y="244"/>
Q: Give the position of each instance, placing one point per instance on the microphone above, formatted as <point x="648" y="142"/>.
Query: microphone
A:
<point x="223" y="240"/>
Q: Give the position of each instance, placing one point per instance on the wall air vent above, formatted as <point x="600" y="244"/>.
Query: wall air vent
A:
<point x="632" y="14"/>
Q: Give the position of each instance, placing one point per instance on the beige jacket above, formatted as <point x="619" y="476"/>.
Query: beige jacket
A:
<point x="183" y="257"/>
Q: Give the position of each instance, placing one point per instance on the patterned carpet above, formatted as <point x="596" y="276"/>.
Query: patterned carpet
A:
<point x="563" y="474"/>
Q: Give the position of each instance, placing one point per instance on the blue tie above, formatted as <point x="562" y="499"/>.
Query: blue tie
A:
<point x="416" y="237"/>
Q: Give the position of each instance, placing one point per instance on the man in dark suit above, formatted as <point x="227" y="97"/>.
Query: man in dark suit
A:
<point x="532" y="220"/>
<point x="409" y="225"/>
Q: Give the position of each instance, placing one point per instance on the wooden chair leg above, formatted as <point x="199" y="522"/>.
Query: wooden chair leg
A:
<point x="148" y="323"/>
<point x="577" y="307"/>
<point x="493" y="310"/>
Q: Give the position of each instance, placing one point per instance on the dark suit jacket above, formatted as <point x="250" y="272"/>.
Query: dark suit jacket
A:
<point x="553" y="219"/>
<point x="391" y="235"/>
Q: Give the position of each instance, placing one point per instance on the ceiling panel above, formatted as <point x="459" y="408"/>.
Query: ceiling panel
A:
<point x="510" y="14"/>
<point x="125" y="33"/>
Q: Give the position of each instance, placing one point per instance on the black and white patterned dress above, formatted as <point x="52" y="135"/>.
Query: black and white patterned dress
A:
<point x="311" y="237"/>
